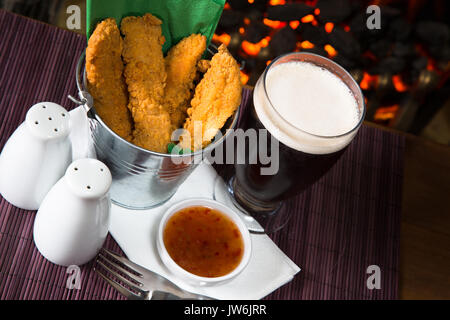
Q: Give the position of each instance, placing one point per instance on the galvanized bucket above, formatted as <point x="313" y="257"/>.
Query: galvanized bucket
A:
<point x="142" y="179"/>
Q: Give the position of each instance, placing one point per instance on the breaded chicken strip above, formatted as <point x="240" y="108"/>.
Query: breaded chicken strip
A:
<point x="181" y="64"/>
<point x="145" y="75"/>
<point x="203" y="65"/>
<point x="216" y="98"/>
<point x="104" y="70"/>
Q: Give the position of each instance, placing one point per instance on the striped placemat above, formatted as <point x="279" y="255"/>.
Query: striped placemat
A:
<point x="38" y="64"/>
<point x="347" y="221"/>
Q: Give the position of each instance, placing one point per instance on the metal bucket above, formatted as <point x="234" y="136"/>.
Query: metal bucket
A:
<point x="142" y="179"/>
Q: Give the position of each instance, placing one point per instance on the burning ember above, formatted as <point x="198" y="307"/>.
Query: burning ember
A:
<point x="386" y="113"/>
<point x="308" y="18"/>
<point x="294" y="24"/>
<point x="399" y="85"/>
<point x="252" y="49"/>
<point x="306" y="45"/>
<point x="244" y="77"/>
<point x="223" y="38"/>
<point x="274" y="24"/>
<point x="368" y="82"/>
<point x="330" y="50"/>
<point x="277" y="2"/>
<point x="387" y="63"/>
<point x="329" y="27"/>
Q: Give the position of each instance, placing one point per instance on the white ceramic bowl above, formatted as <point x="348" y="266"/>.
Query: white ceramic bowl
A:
<point x="191" y="278"/>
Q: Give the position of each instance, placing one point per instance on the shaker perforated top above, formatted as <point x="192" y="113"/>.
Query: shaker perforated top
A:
<point x="88" y="178"/>
<point x="48" y="120"/>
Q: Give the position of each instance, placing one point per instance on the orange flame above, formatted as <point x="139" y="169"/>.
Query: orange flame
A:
<point x="268" y="62"/>
<point x="241" y="30"/>
<point x="386" y="113"/>
<point x="317" y="11"/>
<point x="308" y="18"/>
<point x="294" y="24"/>
<point x="399" y="85"/>
<point x="368" y="81"/>
<point x="252" y="49"/>
<point x="329" y="27"/>
<point x="330" y="50"/>
<point x="251" y="1"/>
<point x="244" y="77"/>
<point x="223" y="38"/>
<point x="276" y="2"/>
<point x="275" y="24"/>
<point x="264" y="42"/>
<point x="365" y="82"/>
<point x="227" y="6"/>
<point x="306" y="45"/>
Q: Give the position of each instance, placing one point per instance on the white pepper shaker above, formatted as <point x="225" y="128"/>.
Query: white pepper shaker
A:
<point x="36" y="155"/>
<point x="73" y="221"/>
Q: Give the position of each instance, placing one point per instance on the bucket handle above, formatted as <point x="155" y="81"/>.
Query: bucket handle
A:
<point x="85" y="99"/>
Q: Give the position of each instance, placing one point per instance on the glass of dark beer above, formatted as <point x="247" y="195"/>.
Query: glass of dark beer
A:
<point x="306" y="110"/>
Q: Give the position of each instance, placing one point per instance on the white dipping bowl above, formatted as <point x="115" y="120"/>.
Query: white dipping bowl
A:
<point x="187" y="276"/>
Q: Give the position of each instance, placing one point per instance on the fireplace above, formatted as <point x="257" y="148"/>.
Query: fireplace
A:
<point x="402" y="68"/>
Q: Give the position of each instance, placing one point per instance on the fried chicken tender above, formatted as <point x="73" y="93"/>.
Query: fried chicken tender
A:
<point x="203" y="65"/>
<point x="216" y="98"/>
<point x="181" y="64"/>
<point x="104" y="70"/>
<point x="145" y="76"/>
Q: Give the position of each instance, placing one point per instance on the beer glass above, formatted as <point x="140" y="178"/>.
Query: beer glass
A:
<point x="303" y="155"/>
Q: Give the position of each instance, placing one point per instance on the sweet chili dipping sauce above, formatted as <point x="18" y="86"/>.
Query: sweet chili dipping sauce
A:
<point x="203" y="241"/>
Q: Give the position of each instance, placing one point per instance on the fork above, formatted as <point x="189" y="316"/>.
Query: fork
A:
<point x="145" y="284"/>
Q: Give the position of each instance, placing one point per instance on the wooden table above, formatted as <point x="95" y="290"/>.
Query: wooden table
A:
<point x="425" y="228"/>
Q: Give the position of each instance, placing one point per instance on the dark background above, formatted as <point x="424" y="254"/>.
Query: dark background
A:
<point x="403" y="68"/>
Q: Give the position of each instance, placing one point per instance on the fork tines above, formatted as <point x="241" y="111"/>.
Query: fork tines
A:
<point x="113" y="269"/>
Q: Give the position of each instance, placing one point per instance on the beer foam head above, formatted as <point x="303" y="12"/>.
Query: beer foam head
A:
<point x="310" y="99"/>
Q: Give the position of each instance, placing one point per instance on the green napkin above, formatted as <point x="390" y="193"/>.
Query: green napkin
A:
<point x="180" y="18"/>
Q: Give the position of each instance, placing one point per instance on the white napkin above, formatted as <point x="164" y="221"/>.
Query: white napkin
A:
<point x="135" y="232"/>
<point x="80" y="136"/>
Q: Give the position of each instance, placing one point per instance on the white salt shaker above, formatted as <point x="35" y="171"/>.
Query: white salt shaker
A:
<point x="73" y="221"/>
<point x="36" y="155"/>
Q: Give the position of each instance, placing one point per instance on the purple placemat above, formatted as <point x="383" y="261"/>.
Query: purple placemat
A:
<point x="348" y="220"/>
<point x="38" y="64"/>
